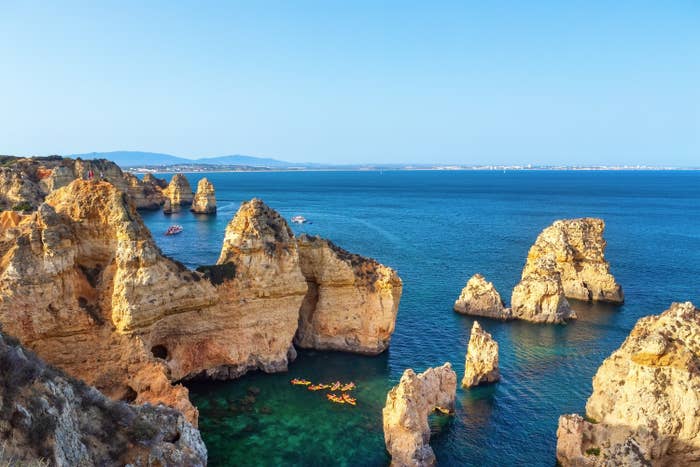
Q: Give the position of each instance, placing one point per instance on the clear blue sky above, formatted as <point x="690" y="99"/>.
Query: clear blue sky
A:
<point x="340" y="82"/>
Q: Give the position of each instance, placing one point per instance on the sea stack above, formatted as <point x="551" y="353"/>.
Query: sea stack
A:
<point x="204" y="201"/>
<point x="482" y="359"/>
<point x="480" y="298"/>
<point x="645" y="408"/>
<point x="566" y="261"/>
<point x="352" y="301"/>
<point x="179" y="192"/>
<point x="405" y="415"/>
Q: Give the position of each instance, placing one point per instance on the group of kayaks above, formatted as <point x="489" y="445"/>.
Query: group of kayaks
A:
<point x="343" y="398"/>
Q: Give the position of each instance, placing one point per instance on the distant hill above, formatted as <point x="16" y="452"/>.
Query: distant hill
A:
<point x="134" y="158"/>
<point x="138" y="158"/>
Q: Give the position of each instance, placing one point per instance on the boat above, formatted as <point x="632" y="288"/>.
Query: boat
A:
<point x="348" y="399"/>
<point x="335" y="398"/>
<point x="442" y="410"/>
<point x="174" y="229"/>
<point x="348" y="387"/>
<point x="300" y="382"/>
<point x="336" y="386"/>
<point x="318" y="387"/>
<point x="299" y="220"/>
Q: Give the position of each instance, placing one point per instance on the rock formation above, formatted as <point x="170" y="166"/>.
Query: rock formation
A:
<point x="25" y="182"/>
<point x="83" y="284"/>
<point x="482" y="359"/>
<point x="645" y="406"/>
<point x="204" y="201"/>
<point x="179" y="192"/>
<point x="48" y="416"/>
<point x="567" y="260"/>
<point x="480" y="298"/>
<point x="155" y="181"/>
<point x="405" y="415"/>
<point x="343" y="289"/>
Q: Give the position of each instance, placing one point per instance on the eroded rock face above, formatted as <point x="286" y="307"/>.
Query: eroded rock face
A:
<point x="204" y="201"/>
<point x="83" y="284"/>
<point x="179" y="192"/>
<point x="48" y="415"/>
<point x="567" y="260"/>
<point x="645" y="406"/>
<point x="27" y="181"/>
<point x="405" y="415"/>
<point x="480" y="298"/>
<point x="482" y="359"/>
<point x="343" y="290"/>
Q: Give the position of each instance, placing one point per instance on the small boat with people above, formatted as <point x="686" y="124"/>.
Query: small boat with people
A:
<point x="299" y="219"/>
<point x="174" y="229"/>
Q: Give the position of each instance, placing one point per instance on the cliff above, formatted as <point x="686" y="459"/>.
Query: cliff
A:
<point x="25" y="182"/>
<point x="405" y="415"/>
<point x="481" y="364"/>
<point x="83" y="284"/>
<point x="179" y="192"/>
<point x="566" y="261"/>
<point x="480" y="298"/>
<point x="204" y="201"/>
<point x="47" y="416"/>
<point x="645" y="408"/>
<point x="344" y="289"/>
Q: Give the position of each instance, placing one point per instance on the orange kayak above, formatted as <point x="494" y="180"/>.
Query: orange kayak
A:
<point x="348" y="399"/>
<point x="300" y="382"/>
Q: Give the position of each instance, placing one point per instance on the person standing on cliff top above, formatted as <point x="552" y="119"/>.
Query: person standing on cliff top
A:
<point x="91" y="174"/>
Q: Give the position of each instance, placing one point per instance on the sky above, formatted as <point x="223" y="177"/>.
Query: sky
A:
<point x="502" y="82"/>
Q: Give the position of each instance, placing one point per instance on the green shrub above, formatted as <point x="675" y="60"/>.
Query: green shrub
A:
<point x="23" y="206"/>
<point x="593" y="451"/>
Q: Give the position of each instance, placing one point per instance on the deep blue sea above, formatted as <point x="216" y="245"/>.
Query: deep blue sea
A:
<point x="437" y="228"/>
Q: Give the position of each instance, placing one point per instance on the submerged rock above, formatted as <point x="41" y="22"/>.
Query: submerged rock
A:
<point x="645" y="405"/>
<point x="482" y="359"/>
<point x="480" y="298"/>
<point x="50" y="417"/>
<point x="405" y="415"/>
<point x="204" y="201"/>
<point x="351" y="303"/>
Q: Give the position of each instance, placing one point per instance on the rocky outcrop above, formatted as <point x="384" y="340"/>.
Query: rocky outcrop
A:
<point x="482" y="359"/>
<point x="405" y="415"/>
<point x="25" y="182"/>
<point x="645" y="406"/>
<point x="344" y="289"/>
<point x="204" y="201"/>
<point x="151" y="179"/>
<point x="179" y="192"/>
<point x="567" y="260"/>
<point x="83" y="284"/>
<point x="50" y="417"/>
<point x="480" y="298"/>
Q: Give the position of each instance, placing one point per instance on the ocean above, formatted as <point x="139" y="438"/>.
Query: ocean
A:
<point x="437" y="229"/>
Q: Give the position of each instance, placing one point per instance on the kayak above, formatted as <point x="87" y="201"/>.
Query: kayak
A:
<point x="348" y="399"/>
<point x="300" y="382"/>
<point x="348" y="387"/>
<point x="335" y="398"/>
<point x="442" y="410"/>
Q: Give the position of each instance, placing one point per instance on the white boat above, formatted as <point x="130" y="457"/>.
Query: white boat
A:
<point x="174" y="229"/>
<point x="299" y="219"/>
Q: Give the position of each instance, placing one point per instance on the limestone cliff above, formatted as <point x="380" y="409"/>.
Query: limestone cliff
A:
<point x="566" y="260"/>
<point x="405" y="415"/>
<point x="344" y="290"/>
<point x="482" y="359"/>
<point x="645" y="406"/>
<point x="48" y="416"/>
<point x="204" y="201"/>
<point x="179" y="192"/>
<point x="480" y="298"/>
<point x="25" y="182"/>
<point x="83" y="284"/>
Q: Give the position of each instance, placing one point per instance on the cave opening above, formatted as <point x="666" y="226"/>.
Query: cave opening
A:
<point x="159" y="351"/>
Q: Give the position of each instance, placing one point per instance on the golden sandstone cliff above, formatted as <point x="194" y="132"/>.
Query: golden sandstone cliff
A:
<point x="481" y="364"/>
<point x="566" y="261"/>
<point x="83" y="284"/>
<point x="47" y="416"/>
<point x="645" y="406"/>
<point x="204" y="201"/>
<point x="179" y="192"/>
<point x="405" y="415"/>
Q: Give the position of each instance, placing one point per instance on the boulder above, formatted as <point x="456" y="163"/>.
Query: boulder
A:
<point x="480" y="298"/>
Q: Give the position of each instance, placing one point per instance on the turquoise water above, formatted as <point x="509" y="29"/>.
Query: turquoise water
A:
<point x="437" y="229"/>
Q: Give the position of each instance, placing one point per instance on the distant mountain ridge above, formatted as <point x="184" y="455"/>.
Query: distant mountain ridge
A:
<point x="140" y="159"/>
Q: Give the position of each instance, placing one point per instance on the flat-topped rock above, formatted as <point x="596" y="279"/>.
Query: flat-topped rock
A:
<point x="480" y="298"/>
<point x="645" y="405"/>
<point x="481" y="365"/>
<point x="405" y="415"/>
